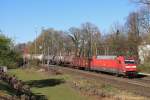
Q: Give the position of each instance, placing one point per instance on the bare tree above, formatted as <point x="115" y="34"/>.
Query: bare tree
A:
<point x="146" y="2"/>
<point x="134" y="38"/>
<point x="91" y="38"/>
<point x="144" y="18"/>
<point x="86" y="39"/>
<point x="115" y="42"/>
<point x="75" y="35"/>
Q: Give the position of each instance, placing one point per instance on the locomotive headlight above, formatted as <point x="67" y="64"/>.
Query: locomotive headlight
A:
<point x="130" y="66"/>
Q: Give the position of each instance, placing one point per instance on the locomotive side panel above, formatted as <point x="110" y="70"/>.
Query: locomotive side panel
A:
<point x="108" y="65"/>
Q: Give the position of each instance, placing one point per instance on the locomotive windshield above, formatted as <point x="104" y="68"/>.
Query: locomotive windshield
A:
<point x="129" y="62"/>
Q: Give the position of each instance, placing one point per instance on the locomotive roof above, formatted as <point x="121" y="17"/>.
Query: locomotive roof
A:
<point x="106" y="57"/>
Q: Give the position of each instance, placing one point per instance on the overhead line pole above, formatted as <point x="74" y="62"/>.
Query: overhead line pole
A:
<point x="35" y="42"/>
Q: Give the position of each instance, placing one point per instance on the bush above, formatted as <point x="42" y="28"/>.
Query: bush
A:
<point x="8" y="56"/>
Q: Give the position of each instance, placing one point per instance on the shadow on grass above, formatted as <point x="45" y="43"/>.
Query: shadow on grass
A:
<point x="45" y="82"/>
<point x="39" y="96"/>
<point x="5" y="87"/>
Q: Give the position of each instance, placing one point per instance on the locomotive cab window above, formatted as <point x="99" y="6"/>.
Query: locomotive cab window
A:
<point x="129" y="62"/>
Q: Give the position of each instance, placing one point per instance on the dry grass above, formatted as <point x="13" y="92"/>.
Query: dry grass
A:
<point x="100" y="91"/>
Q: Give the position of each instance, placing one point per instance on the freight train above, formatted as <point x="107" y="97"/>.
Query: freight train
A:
<point x="118" y="65"/>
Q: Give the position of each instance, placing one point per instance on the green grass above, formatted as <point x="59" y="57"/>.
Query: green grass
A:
<point x="54" y="87"/>
<point x="144" y="68"/>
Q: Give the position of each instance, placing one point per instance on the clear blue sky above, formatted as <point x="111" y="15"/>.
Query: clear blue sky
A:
<point x="20" y="18"/>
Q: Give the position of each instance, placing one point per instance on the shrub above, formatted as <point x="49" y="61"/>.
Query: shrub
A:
<point x="8" y="56"/>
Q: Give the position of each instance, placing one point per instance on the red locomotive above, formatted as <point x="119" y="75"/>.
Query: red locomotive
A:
<point x="119" y="65"/>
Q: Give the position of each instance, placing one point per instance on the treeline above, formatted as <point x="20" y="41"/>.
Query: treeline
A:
<point x="77" y="41"/>
<point x="8" y="55"/>
<point x="87" y="40"/>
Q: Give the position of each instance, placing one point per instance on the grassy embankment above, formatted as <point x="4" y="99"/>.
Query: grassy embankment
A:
<point x="53" y="87"/>
<point x="144" y="68"/>
<point x="67" y="87"/>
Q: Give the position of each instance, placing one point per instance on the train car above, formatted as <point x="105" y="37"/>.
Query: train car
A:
<point x="68" y="60"/>
<point x="58" y="60"/>
<point x="49" y="59"/>
<point x="81" y="63"/>
<point x="119" y="65"/>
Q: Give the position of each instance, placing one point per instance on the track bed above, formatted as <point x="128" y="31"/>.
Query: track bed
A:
<point x="140" y="86"/>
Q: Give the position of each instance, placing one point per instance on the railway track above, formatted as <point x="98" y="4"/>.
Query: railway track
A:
<point x="140" y="86"/>
<point x="144" y="80"/>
